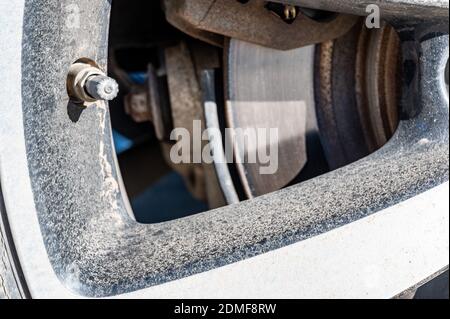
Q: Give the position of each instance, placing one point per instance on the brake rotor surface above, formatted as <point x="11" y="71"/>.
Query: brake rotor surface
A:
<point x="268" y="88"/>
<point x="356" y="85"/>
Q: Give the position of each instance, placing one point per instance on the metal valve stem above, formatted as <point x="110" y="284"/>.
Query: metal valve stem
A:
<point x="87" y="83"/>
<point x="101" y="87"/>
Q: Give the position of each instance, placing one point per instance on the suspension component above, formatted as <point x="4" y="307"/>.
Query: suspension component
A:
<point x="270" y="24"/>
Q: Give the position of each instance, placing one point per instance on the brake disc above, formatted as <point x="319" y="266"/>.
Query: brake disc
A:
<point x="356" y="99"/>
<point x="357" y="92"/>
<point x="349" y="80"/>
<point x="268" y="88"/>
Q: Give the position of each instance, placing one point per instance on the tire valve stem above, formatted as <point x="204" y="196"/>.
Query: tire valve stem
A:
<point x="102" y="87"/>
<point x="87" y="83"/>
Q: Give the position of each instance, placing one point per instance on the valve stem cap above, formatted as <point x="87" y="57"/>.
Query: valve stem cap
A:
<point x="102" y="87"/>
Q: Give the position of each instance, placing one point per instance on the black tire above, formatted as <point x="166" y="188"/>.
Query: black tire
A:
<point x="11" y="279"/>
